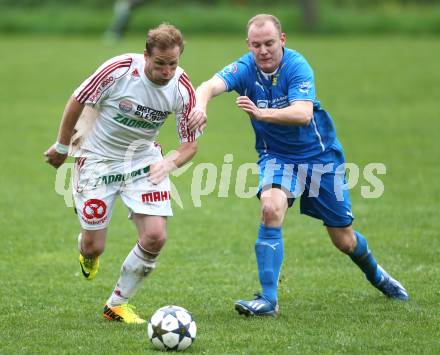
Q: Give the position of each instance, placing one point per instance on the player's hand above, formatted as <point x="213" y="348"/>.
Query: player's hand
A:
<point x="160" y="170"/>
<point x="248" y="106"/>
<point x="54" y="158"/>
<point x="197" y="120"/>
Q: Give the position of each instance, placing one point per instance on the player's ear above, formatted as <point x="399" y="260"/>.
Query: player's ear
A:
<point x="146" y="56"/>
<point x="283" y="39"/>
<point x="248" y="44"/>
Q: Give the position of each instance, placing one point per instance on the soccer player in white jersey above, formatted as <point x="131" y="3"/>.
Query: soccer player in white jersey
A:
<point x="129" y="98"/>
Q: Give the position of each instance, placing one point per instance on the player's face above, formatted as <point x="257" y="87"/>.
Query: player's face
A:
<point x="161" y="65"/>
<point x="266" y="43"/>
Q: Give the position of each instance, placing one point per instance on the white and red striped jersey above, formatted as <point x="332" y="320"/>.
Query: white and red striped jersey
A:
<point x="131" y="109"/>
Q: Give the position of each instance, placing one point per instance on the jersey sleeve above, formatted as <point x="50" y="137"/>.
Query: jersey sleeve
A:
<point x="95" y="88"/>
<point x="186" y="101"/>
<point x="301" y="82"/>
<point x="234" y="76"/>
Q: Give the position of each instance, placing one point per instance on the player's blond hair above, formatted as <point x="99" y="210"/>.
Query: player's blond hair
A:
<point x="260" y="19"/>
<point x="164" y="37"/>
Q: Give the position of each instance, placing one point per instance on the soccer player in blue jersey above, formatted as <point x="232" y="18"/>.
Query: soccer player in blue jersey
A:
<point x="299" y="156"/>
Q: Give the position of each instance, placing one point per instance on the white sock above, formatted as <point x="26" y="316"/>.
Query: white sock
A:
<point x="136" y="267"/>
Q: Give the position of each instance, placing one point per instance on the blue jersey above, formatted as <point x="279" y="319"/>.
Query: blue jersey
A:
<point x="293" y="81"/>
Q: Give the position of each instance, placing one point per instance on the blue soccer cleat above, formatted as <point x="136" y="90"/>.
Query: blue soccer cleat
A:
<point x="391" y="287"/>
<point x="259" y="306"/>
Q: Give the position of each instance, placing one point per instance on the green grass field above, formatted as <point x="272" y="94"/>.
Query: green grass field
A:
<point x="383" y="95"/>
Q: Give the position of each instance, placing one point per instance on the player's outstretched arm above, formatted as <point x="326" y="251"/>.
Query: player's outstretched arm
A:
<point x="57" y="153"/>
<point x="174" y="160"/>
<point x="205" y="92"/>
<point x="299" y="113"/>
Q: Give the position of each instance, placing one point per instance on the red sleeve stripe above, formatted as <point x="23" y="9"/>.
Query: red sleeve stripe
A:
<point x="188" y="108"/>
<point x="185" y="77"/>
<point x="192" y="101"/>
<point x="95" y="81"/>
<point x="189" y="88"/>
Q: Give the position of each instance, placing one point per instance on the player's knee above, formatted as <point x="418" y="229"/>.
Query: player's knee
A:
<point x="343" y="238"/>
<point x="345" y="247"/>
<point x="270" y="213"/>
<point x="345" y="243"/>
<point x="153" y="240"/>
<point x="91" y="243"/>
<point x="92" y="248"/>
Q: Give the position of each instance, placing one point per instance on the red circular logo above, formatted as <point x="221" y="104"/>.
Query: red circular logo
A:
<point x="94" y="208"/>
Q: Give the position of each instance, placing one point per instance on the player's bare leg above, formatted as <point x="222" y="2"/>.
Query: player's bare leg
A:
<point x="355" y="246"/>
<point x="139" y="263"/>
<point x="91" y="244"/>
<point x="269" y="250"/>
<point x="151" y="231"/>
<point x="273" y="207"/>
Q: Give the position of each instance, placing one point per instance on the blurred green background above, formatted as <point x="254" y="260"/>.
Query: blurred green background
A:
<point x="225" y="16"/>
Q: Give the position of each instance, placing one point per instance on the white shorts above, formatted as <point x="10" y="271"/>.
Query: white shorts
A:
<point x="97" y="182"/>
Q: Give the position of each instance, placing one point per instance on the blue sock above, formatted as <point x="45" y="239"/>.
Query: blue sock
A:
<point x="269" y="249"/>
<point x="363" y="257"/>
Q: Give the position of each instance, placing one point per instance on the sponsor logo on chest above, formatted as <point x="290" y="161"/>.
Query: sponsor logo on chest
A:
<point x="150" y="114"/>
<point x="150" y="118"/>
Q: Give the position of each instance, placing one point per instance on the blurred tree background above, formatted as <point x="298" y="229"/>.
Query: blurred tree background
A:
<point x="166" y="3"/>
<point x="224" y="16"/>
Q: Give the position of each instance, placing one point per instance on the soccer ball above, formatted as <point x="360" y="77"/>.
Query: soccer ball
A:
<point x="172" y="328"/>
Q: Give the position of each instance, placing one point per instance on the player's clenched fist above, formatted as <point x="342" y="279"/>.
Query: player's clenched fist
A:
<point x="55" y="158"/>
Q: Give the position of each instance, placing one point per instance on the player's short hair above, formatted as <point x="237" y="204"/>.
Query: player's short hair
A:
<point x="260" y="19"/>
<point x="164" y="37"/>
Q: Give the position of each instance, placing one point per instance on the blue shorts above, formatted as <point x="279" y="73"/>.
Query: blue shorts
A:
<point x="320" y="182"/>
